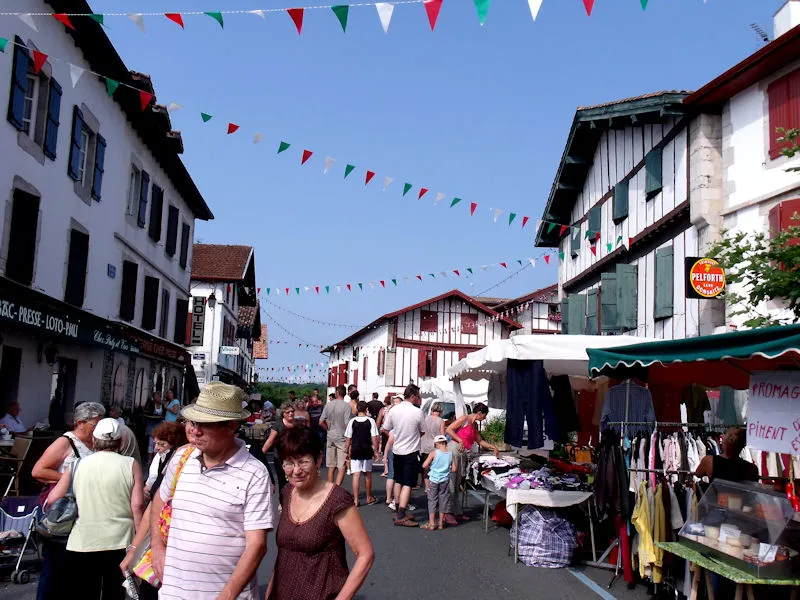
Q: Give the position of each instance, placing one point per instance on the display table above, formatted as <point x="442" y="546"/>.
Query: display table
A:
<point x="744" y="581"/>
<point x="543" y="498"/>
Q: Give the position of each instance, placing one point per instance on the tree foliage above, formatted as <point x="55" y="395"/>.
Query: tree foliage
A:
<point x="278" y="393"/>
<point x="767" y="268"/>
<point x="789" y="136"/>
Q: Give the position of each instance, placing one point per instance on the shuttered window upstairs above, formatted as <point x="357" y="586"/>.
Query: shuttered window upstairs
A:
<point x="150" y="303"/>
<point x="653" y="173"/>
<point x="429" y="321"/>
<point x="595" y="222"/>
<point x="52" y="121"/>
<point x="76" y="267"/>
<point x="144" y="190"/>
<point x="99" y="167"/>
<point x="172" y="231"/>
<point x="156" y="214"/>
<point x="784" y="110"/>
<point x="381" y="361"/>
<point x="19" y="85"/>
<point x="163" y="321"/>
<point x="185" y="238"/>
<point x="575" y="240"/>
<point x="620" y="208"/>
<point x="665" y="283"/>
<point x="469" y="324"/>
<point x="627" y="297"/>
<point x="181" y="321"/>
<point x="609" y="321"/>
<point x="22" y="237"/>
<point x="592" y="310"/>
<point x="366" y="366"/>
<point x="127" y="300"/>
<point x="77" y="147"/>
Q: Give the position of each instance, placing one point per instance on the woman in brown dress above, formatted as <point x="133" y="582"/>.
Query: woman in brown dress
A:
<point x="316" y="520"/>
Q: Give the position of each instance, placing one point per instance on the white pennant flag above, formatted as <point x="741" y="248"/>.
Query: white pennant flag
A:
<point x="339" y="289"/>
<point x="385" y="10"/>
<point x="484" y="267"/>
<point x="534" y="5"/>
<point x="173" y="106"/>
<point x="386" y="183"/>
<point x="259" y="137"/>
<point x="28" y="20"/>
<point x="138" y="19"/>
<point x="532" y="261"/>
<point x="372" y="284"/>
<point x="497" y="212"/>
<point x="306" y="288"/>
<point x="439" y="197"/>
<point x="328" y="163"/>
<point x="443" y="274"/>
<point x="278" y="291"/>
<point x="405" y="279"/>
<point x="75" y="73"/>
<point x="260" y="13"/>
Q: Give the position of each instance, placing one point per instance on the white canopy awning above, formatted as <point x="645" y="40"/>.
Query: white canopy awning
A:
<point x="562" y="354"/>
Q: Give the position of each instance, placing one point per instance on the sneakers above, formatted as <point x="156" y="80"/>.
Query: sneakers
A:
<point x="393" y="506"/>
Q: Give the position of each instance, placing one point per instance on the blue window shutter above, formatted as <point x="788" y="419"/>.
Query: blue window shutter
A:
<point x="627" y="297"/>
<point x="608" y="302"/>
<point x="575" y="241"/>
<point x="185" y="231"/>
<point x="665" y="283"/>
<point x="565" y="315"/>
<point x="156" y="213"/>
<point x="577" y="314"/>
<point x="143" y="191"/>
<point x="99" y="167"/>
<point x="53" y="113"/>
<point x="75" y="144"/>
<point x="620" y="211"/>
<point x="172" y="231"/>
<point x="653" y="173"/>
<point x="595" y="222"/>
<point x="19" y="75"/>
<point x="592" y="326"/>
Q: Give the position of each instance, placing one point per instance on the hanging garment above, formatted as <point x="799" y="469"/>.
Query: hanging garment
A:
<point x="624" y="547"/>
<point x="687" y="575"/>
<point x="696" y="400"/>
<point x="628" y="401"/>
<point x="564" y="407"/>
<point x="700" y="447"/>
<point x="641" y="521"/>
<point x="726" y="407"/>
<point x="611" y="479"/>
<point x="692" y="457"/>
<point x="675" y="516"/>
<point x="529" y="400"/>
<point x="651" y="464"/>
<point x="496" y="395"/>
<point x="659" y="533"/>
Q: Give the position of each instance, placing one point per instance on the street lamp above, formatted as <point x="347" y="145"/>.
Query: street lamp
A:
<point x="212" y="301"/>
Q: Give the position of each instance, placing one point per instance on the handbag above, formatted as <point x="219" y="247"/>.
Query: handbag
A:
<point x="60" y="517"/>
<point x="48" y="487"/>
<point x="144" y="566"/>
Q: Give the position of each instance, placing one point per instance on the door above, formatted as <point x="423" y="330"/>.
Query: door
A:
<point x="10" y="366"/>
<point x="63" y="393"/>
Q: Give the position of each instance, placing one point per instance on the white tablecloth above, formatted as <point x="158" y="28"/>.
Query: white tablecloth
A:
<point x="543" y="498"/>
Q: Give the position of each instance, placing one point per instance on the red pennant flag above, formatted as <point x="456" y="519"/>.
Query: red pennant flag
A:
<point x="597" y="236"/>
<point x="145" y="98"/>
<point x="232" y="128"/>
<point x="547" y="259"/>
<point x="370" y="175"/>
<point x="175" y="18"/>
<point x="630" y="242"/>
<point x="383" y="283"/>
<point x="297" y="16"/>
<point x="422" y="192"/>
<point x="472" y="207"/>
<point x="38" y="60"/>
<point x="593" y="249"/>
<point x="589" y="4"/>
<point x="287" y="291"/>
<point x="62" y="18"/>
<point x="524" y="222"/>
<point x="306" y="155"/>
<point x="316" y="287"/>
<point x="259" y="290"/>
<point x="432" y="7"/>
<point x="456" y="272"/>
<point x="504" y="265"/>
<point x="563" y="231"/>
<point x="349" y="289"/>
<point x="419" y="277"/>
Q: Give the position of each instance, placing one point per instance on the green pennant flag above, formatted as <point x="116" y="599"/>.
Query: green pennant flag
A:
<point x="608" y="246"/>
<point x="520" y="262"/>
<point x="644" y="4"/>
<point x="619" y="240"/>
<point x="550" y="227"/>
<point x="283" y="146"/>
<point x="217" y="16"/>
<point x="482" y="7"/>
<point x="432" y="275"/>
<point x="470" y="270"/>
<point x="394" y="281"/>
<point x="297" y="290"/>
<point x="96" y="18"/>
<point x="406" y="188"/>
<point x="511" y="217"/>
<point x="589" y="233"/>
<point x="3" y="42"/>
<point x="268" y="291"/>
<point x="206" y="117"/>
<point x="348" y="169"/>
<point x="327" y="289"/>
<point x="454" y="202"/>
<point x="361" y="286"/>
<point x="561" y="256"/>
<point x="111" y="86"/>
<point x="341" y="13"/>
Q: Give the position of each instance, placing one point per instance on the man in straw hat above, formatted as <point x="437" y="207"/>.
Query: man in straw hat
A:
<point x="221" y="508"/>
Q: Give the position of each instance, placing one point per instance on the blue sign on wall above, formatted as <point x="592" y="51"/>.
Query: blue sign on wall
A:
<point x="112" y="271"/>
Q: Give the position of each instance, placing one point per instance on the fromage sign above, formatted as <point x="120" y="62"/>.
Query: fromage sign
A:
<point x="773" y="412"/>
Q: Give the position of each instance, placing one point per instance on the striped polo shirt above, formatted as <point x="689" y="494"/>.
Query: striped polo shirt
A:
<point x="211" y="510"/>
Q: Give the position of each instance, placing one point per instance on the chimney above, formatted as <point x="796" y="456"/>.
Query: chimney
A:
<point x="787" y="17"/>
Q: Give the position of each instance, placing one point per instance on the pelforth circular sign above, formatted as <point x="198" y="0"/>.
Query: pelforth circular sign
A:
<point x="707" y="278"/>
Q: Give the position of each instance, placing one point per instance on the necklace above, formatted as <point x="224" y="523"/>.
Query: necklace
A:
<point x="312" y="504"/>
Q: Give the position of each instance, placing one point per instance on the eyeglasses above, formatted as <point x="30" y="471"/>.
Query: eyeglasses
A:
<point x="218" y="425"/>
<point x="304" y="464"/>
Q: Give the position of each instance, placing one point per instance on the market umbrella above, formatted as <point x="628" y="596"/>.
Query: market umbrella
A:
<point x="711" y="360"/>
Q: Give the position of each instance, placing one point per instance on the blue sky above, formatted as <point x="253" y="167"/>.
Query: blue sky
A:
<point x="481" y="113"/>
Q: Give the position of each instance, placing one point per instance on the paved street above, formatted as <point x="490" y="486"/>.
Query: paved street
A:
<point x="463" y="561"/>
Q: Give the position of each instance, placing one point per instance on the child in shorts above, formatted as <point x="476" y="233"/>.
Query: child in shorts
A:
<point x="361" y="448"/>
<point x="439" y="464"/>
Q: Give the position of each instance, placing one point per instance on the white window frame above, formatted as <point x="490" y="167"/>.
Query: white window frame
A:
<point x="134" y="190"/>
<point x="83" y="149"/>
<point x="31" y="104"/>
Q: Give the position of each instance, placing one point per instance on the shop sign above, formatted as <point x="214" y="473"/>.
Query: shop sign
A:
<point x="198" y="320"/>
<point x="705" y="278"/>
<point x="773" y="412"/>
<point x="38" y="319"/>
<point x="115" y="343"/>
<point x="201" y="380"/>
<point x="199" y="356"/>
<point x="232" y="350"/>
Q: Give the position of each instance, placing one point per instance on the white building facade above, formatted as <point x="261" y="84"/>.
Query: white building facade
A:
<point x="97" y="214"/>
<point x="415" y="344"/>
<point x="538" y="312"/>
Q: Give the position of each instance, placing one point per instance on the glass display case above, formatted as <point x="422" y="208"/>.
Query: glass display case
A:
<point x="748" y="526"/>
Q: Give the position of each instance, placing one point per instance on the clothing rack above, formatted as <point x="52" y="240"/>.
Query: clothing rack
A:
<point x="657" y="424"/>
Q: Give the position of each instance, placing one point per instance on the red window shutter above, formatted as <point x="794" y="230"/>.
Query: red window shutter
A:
<point x="188" y="340"/>
<point x="779" y="113"/>
<point x="355" y="376"/>
<point x="434" y="370"/>
<point x="381" y="361"/>
<point x="462" y="354"/>
<point x="422" y="356"/>
<point x="429" y="321"/>
<point x="469" y="323"/>
<point x="364" y="373"/>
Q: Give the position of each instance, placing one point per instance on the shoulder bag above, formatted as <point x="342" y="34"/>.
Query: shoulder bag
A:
<point x="60" y="517"/>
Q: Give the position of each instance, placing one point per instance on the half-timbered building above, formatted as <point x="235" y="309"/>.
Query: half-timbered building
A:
<point x="537" y="312"/>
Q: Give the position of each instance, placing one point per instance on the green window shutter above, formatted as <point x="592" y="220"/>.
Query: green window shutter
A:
<point x="665" y="282"/>
<point x="608" y="302"/>
<point x="653" y="169"/>
<point x="591" y="312"/>
<point x="575" y="246"/>
<point x="577" y="314"/>
<point x="595" y="221"/>
<point x="565" y="315"/>
<point x="620" y="211"/>
<point x="627" y="297"/>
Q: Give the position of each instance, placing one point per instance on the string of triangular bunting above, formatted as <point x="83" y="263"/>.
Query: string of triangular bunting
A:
<point x="385" y="11"/>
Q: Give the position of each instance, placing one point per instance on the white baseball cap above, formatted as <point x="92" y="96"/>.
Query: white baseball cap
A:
<point x="440" y="438"/>
<point x="107" y="429"/>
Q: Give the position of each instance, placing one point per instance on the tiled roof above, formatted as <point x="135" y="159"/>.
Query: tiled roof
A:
<point x="490" y="302"/>
<point x="634" y="99"/>
<point x="214" y="262"/>
<point x="544" y="295"/>
<point x="261" y="347"/>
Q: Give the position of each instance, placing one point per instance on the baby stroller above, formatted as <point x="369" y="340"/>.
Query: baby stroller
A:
<point x="18" y="518"/>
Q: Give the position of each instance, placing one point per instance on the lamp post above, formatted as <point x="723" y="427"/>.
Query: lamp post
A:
<point x="212" y="303"/>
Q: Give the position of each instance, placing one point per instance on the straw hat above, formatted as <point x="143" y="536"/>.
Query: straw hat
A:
<point x="216" y="403"/>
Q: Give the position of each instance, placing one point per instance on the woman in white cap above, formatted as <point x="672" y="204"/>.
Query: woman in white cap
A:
<point x="108" y="489"/>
